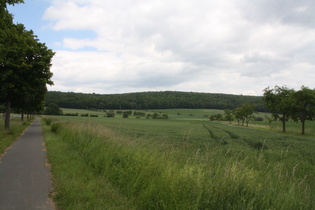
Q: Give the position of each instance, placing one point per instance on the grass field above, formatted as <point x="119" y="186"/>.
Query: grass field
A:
<point x="7" y="137"/>
<point x="185" y="162"/>
<point x="203" y="115"/>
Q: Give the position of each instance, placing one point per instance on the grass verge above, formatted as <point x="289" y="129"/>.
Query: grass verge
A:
<point x="7" y="137"/>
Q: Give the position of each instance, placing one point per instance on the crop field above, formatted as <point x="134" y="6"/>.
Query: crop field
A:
<point x="184" y="162"/>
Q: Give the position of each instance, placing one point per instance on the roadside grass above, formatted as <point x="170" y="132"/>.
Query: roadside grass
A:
<point x="7" y="137"/>
<point x="76" y="185"/>
<point x="173" y="164"/>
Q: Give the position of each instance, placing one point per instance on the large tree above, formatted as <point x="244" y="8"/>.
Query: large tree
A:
<point x="228" y="115"/>
<point x="24" y="65"/>
<point x="304" y="106"/>
<point x="244" y="114"/>
<point x="279" y="102"/>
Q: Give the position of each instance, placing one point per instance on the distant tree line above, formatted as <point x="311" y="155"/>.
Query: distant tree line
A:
<point x="152" y="100"/>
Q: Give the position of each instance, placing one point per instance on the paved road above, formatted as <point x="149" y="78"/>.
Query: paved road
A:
<point x="24" y="179"/>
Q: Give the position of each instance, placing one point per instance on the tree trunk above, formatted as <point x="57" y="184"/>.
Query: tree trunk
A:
<point x="303" y="127"/>
<point x="22" y="115"/>
<point x="283" y="122"/>
<point x="7" y="114"/>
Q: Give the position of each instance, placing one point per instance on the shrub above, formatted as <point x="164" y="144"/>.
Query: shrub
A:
<point x="128" y="112"/>
<point x="55" y="127"/>
<point x="48" y="121"/>
<point x="93" y="115"/>
<point x="217" y="117"/>
<point x="53" y="109"/>
<point x="84" y="115"/>
<point x="71" y="114"/>
<point x="110" y="114"/>
<point x="125" y="115"/>
<point x="140" y="114"/>
<point x="158" y="116"/>
<point x="259" y="119"/>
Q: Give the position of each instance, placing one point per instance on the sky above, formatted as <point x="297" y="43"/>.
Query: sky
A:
<point x="212" y="46"/>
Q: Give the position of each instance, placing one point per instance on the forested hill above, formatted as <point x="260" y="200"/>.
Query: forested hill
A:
<point x="152" y="100"/>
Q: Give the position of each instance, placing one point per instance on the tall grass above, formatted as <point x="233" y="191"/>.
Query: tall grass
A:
<point x="92" y="164"/>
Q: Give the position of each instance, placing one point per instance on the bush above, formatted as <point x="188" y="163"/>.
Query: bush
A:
<point x="48" y="121"/>
<point x="110" y="114"/>
<point x="158" y="116"/>
<point x="55" y="127"/>
<point x="128" y="112"/>
<point x="259" y="119"/>
<point x="93" y="115"/>
<point x="71" y="114"/>
<point x="125" y="115"/>
<point x="140" y="114"/>
<point x="217" y="117"/>
<point x="53" y="109"/>
<point x="84" y="115"/>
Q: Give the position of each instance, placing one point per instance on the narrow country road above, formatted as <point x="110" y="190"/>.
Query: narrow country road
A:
<point x="24" y="178"/>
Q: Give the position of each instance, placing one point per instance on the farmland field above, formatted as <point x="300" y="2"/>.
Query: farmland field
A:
<point x="184" y="162"/>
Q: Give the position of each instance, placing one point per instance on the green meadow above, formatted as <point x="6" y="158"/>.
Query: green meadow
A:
<point x="184" y="162"/>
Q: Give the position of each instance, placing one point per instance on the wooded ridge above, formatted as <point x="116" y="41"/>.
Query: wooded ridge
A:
<point x="152" y="100"/>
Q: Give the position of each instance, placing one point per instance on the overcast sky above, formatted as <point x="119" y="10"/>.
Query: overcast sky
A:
<point x="214" y="46"/>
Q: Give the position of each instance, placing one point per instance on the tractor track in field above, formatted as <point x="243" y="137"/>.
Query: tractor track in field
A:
<point x="214" y="136"/>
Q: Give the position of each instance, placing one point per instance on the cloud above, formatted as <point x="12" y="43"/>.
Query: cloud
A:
<point x="208" y="46"/>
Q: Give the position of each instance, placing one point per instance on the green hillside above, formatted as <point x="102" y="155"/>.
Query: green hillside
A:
<point x="152" y="100"/>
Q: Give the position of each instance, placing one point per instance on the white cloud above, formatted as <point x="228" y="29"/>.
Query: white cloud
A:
<point x="195" y="45"/>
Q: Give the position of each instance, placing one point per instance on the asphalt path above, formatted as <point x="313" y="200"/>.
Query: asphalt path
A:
<point x="25" y="180"/>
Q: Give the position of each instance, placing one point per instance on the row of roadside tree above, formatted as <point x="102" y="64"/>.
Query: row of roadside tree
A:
<point x="24" y="66"/>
